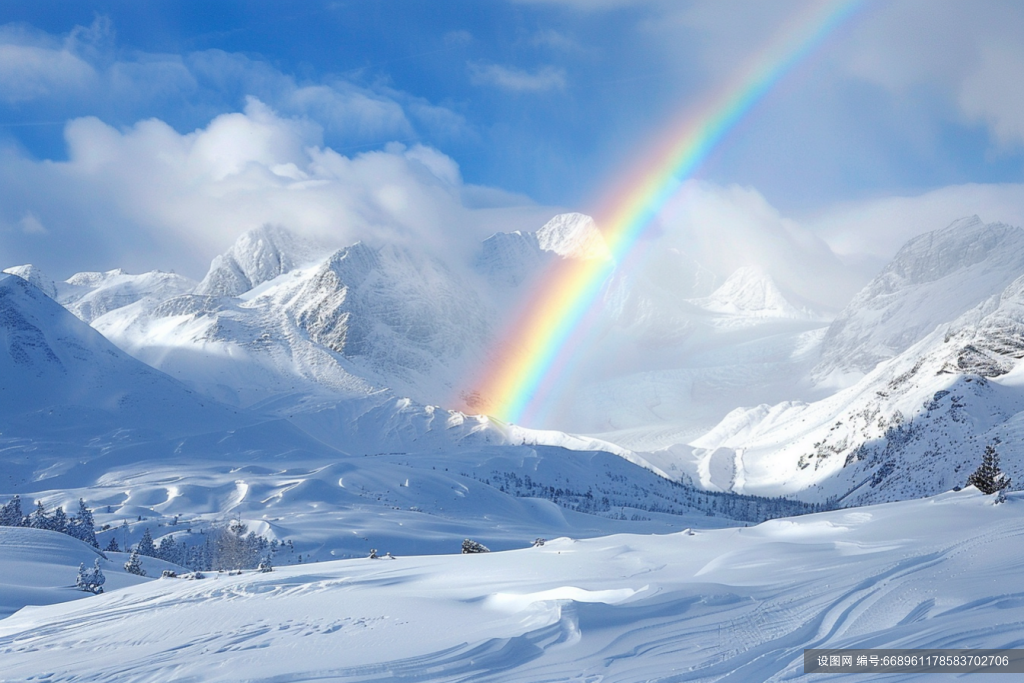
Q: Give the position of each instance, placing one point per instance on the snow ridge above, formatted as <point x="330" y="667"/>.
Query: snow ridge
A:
<point x="257" y="256"/>
<point x="931" y="280"/>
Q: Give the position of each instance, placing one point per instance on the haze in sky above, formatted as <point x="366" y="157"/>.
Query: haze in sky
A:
<point x="150" y="135"/>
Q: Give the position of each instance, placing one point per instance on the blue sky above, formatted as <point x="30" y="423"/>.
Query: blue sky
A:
<point x="545" y="100"/>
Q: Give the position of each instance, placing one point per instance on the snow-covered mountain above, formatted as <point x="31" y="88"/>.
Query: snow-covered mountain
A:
<point x="258" y="256"/>
<point x="91" y="295"/>
<point x="58" y="372"/>
<point x="278" y="322"/>
<point x="675" y="345"/>
<point x="323" y="353"/>
<point x="916" y="424"/>
<point x="355" y="321"/>
<point x="750" y="293"/>
<point x="34" y="275"/>
<point x="931" y="280"/>
<point x="80" y="418"/>
<point x="357" y="346"/>
<point x="510" y="259"/>
<point x="573" y="235"/>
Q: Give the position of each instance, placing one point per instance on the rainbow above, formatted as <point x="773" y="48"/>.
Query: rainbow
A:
<point x="537" y="349"/>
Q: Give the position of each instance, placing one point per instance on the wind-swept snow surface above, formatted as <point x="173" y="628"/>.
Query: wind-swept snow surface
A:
<point x="38" y="567"/>
<point x="725" y="605"/>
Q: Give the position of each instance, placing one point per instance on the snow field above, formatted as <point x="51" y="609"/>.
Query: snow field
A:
<point x="717" y="605"/>
<point x="38" y="567"/>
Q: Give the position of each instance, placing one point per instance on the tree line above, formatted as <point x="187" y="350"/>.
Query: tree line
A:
<point x="227" y="548"/>
<point x="80" y="525"/>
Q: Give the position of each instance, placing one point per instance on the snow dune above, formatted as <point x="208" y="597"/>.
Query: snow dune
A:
<point x="726" y="605"/>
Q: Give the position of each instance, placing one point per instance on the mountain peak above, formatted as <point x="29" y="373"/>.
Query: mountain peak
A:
<point x="35" y="276"/>
<point x="257" y="256"/>
<point x="749" y="291"/>
<point x="573" y="235"/>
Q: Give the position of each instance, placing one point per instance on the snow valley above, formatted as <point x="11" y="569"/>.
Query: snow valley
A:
<point x="755" y="458"/>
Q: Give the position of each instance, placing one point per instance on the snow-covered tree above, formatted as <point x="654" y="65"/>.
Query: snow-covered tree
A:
<point x="11" y="514"/>
<point x="169" y="550"/>
<point x="134" y="564"/>
<point x="200" y="557"/>
<point x="235" y="549"/>
<point x="469" y="547"/>
<point x="91" y="580"/>
<point x="59" y="521"/>
<point x="38" y="519"/>
<point x="82" y="526"/>
<point x="112" y="547"/>
<point x="146" y="546"/>
<point x="988" y="478"/>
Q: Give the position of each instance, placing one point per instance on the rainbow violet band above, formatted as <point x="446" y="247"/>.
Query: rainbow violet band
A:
<point x="544" y="336"/>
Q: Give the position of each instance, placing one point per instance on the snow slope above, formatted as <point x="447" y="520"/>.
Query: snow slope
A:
<point x="91" y="295"/>
<point x="725" y="605"/>
<point x="39" y="567"/>
<point x="932" y="279"/>
<point x="82" y="419"/>
<point x="58" y="373"/>
<point x="914" y="426"/>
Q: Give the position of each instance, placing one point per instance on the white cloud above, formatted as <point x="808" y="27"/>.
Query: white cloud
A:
<point x="971" y="54"/>
<point x="725" y="228"/>
<point x="517" y="80"/>
<point x="338" y="105"/>
<point x="29" y="72"/>
<point x="84" y="66"/>
<point x="150" y="197"/>
<point x="992" y="93"/>
<point x="555" y="40"/>
<point x="877" y="228"/>
<point x="939" y="60"/>
<point x="31" y="225"/>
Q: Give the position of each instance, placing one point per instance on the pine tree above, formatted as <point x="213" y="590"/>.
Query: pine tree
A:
<point x="134" y="564"/>
<point x="988" y="478"/>
<point x="82" y="526"/>
<point x="470" y="547"/>
<point x="91" y="580"/>
<point x="39" y="519"/>
<point x="10" y="514"/>
<point x="146" y="546"/>
<point x="59" y="521"/>
<point x="170" y="550"/>
<point x="112" y="547"/>
<point x="235" y="549"/>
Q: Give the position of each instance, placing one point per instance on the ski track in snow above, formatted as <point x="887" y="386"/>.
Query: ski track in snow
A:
<point x="720" y="605"/>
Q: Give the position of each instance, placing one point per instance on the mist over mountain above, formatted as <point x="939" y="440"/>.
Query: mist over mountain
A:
<point x="938" y="336"/>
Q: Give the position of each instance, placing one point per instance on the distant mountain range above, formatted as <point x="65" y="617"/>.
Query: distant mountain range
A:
<point x="372" y="348"/>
